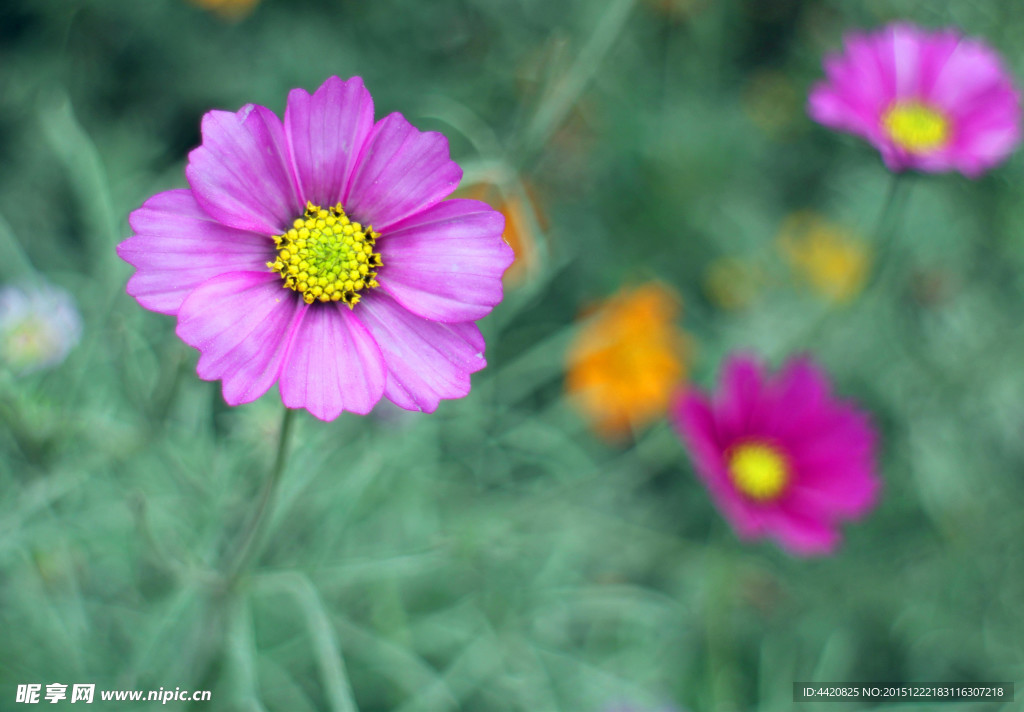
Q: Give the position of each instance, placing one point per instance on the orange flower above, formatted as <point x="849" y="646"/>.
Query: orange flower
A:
<point x="228" y="9"/>
<point x="832" y="261"/>
<point x="627" y="360"/>
<point x="523" y="218"/>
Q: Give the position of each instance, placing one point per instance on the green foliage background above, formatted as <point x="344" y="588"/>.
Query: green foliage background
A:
<point x="496" y="555"/>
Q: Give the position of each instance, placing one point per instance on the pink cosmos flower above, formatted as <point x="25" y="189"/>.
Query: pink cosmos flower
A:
<point x="319" y="253"/>
<point x="780" y="456"/>
<point x="929" y="101"/>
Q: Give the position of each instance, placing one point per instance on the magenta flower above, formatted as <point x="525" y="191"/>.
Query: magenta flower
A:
<point x="929" y="101"/>
<point x="781" y="457"/>
<point x="320" y="254"/>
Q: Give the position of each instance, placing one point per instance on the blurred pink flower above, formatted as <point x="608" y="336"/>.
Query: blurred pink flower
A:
<point x="319" y="253"/>
<point x="929" y="101"/>
<point x="780" y="456"/>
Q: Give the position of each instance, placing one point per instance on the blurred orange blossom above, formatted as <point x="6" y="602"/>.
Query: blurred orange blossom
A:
<point x="627" y="360"/>
<point x="524" y="217"/>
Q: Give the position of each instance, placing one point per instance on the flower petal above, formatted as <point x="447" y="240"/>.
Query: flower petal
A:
<point x="334" y="364"/>
<point x="241" y="173"/>
<point x="426" y="360"/>
<point x="242" y="323"/>
<point x="987" y="131"/>
<point x="902" y="49"/>
<point x="935" y="52"/>
<point x="799" y="394"/>
<point x="446" y="262"/>
<point x="326" y="133"/>
<point x="857" y="90"/>
<point x="845" y="492"/>
<point x="969" y="72"/>
<point x="835" y="465"/>
<point x="800" y="534"/>
<point x="402" y="171"/>
<point x="176" y="247"/>
<point x="738" y="405"/>
<point x="836" y="109"/>
<point x="695" y="420"/>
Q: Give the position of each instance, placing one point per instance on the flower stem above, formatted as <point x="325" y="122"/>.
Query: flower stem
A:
<point x="886" y="229"/>
<point x="250" y="539"/>
<point x="560" y="98"/>
<point x="885" y="243"/>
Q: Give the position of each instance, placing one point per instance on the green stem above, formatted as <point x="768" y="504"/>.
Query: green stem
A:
<point x="15" y="265"/>
<point x="884" y="234"/>
<point x="567" y="89"/>
<point x="167" y="391"/>
<point x="720" y="631"/>
<point x="250" y="539"/>
<point x="886" y="229"/>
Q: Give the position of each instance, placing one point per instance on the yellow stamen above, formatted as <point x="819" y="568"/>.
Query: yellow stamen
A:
<point x="327" y="257"/>
<point x="759" y="471"/>
<point x="916" y="127"/>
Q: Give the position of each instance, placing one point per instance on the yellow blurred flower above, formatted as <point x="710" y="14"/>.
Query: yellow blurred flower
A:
<point x="733" y="283"/>
<point x="832" y="261"/>
<point x="228" y="9"/>
<point x="628" y="359"/>
<point x="523" y="218"/>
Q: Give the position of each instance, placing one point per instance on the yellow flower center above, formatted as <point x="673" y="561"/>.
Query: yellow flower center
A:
<point x="758" y="470"/>
<point x="916" y="127"/>
<point x="327" y="257"/>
